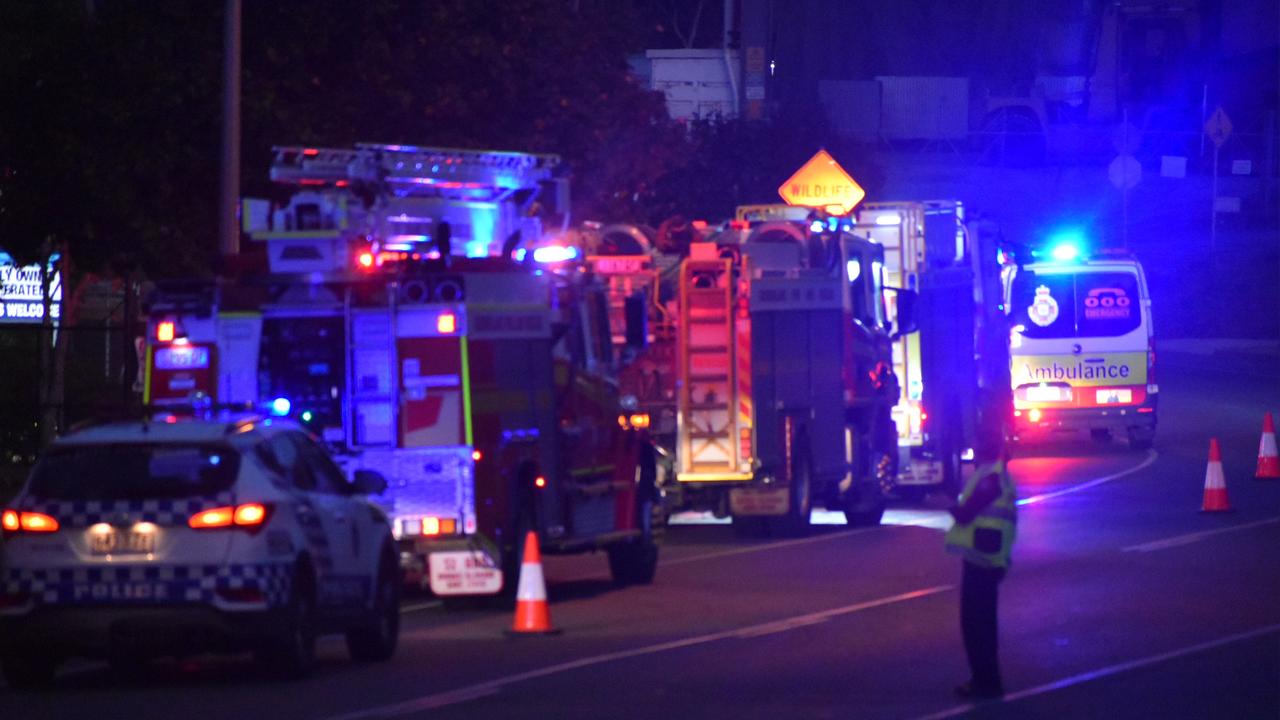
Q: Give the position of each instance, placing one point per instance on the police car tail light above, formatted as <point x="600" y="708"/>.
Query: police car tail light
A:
<point x="14" y="521"/>
<point x="249" y="516"/>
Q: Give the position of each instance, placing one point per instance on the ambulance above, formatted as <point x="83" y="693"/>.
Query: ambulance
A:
<point x="1081" y="347"/>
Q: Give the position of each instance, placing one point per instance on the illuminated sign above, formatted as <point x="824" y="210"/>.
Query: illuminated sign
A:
<point x="22" y="294"/>
<point x="1103" y="370"/>
<point x="182" y="357"/>
<point x="1107" y="304"/>
<point x="822" y="183"/>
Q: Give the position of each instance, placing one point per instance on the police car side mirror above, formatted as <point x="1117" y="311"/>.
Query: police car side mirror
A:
<point x="368" y="482"/>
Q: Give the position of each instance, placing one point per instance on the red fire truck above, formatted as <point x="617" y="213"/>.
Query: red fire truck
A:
<point x="483" y="387"/>
<point x="769" y="379"/>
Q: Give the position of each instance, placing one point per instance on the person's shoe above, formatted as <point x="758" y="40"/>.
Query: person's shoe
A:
<point x="972" y="691"/>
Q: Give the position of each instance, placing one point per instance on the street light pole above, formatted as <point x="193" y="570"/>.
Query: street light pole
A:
<point x="228" y="229"/>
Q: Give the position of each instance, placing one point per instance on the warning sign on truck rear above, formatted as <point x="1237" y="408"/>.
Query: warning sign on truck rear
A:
<point x="464" y="572"/>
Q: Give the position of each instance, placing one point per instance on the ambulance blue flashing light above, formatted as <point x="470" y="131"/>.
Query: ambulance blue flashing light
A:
<point x="816" y="226"/>
<point x="1066" y="252"/>
<point x="281" y="406"/>
<point x="554" y="254"/>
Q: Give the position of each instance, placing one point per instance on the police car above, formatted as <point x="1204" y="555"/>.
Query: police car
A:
<point x="181" y="535"/>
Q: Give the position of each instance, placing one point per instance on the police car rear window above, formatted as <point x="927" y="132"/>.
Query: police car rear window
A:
<point x="134" y="472"/>
<point x="1075" y="304"/>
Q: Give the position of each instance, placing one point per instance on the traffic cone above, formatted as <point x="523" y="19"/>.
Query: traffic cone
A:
<point x="532" y="614"/>
<point x="1215" y="483"/>
<point x="1268" y="460"/>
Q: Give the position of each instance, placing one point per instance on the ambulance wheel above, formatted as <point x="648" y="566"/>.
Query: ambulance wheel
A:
<point x="375" y="640"/>
<point x="634" y="562"/>
<point x="291" y="654"/>
<point x="1141" y="438"/>
<point x="25" y="670"/>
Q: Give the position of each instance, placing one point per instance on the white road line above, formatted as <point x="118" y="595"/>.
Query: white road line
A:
<point x="766" y="546"/>
<point x="1109" y="671"/>
<point x="406" y="609"/>
<point x="1194" y="537"/>
<point x="1151" y="457"/>
<point x="484" y="689"/>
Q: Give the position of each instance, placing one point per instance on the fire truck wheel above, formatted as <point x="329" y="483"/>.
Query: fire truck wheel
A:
<point x="864" y="503"/>
<point x="291" y="654"/>
<point x="799" y="506"/>
<point x="27" y="668"/>
<point x="633" y="563"/>
<point x="375" y="640"/>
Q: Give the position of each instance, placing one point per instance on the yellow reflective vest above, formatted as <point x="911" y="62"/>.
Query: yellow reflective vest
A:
<point x="988" y="540"/>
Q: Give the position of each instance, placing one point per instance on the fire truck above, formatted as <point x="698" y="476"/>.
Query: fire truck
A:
<point x="415" y="317"/>
<point x="768" y="377"/>
<point x="931" y="248"/>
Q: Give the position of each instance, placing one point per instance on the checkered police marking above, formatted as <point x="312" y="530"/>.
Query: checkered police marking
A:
<point x="165" y="513"/>
<point x="148" y="584"/>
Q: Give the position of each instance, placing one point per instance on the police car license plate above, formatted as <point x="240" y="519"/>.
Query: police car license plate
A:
<point x="122" y="543"/>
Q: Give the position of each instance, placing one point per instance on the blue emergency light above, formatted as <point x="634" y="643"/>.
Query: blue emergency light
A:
<point x="1065" y="252"/>
<point x="554" y="254"/>
<point x="281" y="406"/>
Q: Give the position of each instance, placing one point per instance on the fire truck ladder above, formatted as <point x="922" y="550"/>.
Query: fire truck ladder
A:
<point x="414" y="170"/>
<point x="708" y="425"/>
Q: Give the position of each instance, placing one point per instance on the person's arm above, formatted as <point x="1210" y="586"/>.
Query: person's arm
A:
<point x="984" y="494"/>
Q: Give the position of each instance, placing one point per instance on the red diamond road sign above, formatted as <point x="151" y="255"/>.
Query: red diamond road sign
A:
<point x="822" y="183"/>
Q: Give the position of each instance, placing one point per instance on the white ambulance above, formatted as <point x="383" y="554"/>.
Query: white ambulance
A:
<point x="1081" y="347"/>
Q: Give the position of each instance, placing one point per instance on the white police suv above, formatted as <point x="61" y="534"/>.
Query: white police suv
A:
<point x="180" y="535"/>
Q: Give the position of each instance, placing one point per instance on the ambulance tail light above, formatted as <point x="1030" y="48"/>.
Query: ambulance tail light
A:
<point x="248" y="516"/>
<point x="15" y="521"/>
<point x="446" y="323"/>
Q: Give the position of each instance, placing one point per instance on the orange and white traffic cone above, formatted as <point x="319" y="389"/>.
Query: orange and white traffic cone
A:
<point x="1268" y="460"/>
<point x="533" y="617"/>
<point x="1215" y="483"/>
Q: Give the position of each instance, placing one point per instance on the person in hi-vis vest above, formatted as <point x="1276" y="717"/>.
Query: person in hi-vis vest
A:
<point x="986" y="521"/>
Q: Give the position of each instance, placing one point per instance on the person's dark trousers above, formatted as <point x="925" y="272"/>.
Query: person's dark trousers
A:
<point x="979" y="588"/>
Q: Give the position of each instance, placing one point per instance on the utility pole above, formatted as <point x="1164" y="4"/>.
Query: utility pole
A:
<point x="228" y="227"/>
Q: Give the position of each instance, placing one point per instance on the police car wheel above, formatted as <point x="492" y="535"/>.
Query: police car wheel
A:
<point x="375" y="641"/>
<point x="292" y="653"/>
<point x="29" y="670"/>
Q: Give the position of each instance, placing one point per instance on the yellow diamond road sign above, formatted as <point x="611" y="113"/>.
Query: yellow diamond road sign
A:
<point x="1218" y="127"/>
<point x="822" y="183"/>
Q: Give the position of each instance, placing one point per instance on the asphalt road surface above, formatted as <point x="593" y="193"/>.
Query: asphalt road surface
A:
<point x="1124" y="602"/>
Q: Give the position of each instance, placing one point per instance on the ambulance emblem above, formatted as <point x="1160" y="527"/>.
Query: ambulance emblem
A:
<point x="1044" y="310"/>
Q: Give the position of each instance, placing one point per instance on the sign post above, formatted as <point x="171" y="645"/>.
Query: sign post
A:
<point x="1218" y="128"/>
<point x="822" y="183"/>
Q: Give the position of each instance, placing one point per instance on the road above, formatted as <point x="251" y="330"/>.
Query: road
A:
<point x="1124" y="602"/>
